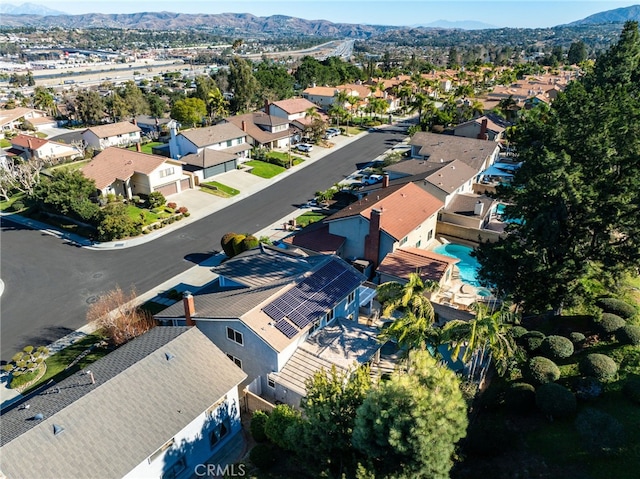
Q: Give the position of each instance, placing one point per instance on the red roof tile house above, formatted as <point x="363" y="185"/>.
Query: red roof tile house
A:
<point x="127" y="173"/>
<point x="31" y="147"/>
<point x="263" y="130"/>
<point x="120" y="134"/>
<point x="11" y="119"/>
<point x="385" y="220"/>
<point x="397" y="266"/>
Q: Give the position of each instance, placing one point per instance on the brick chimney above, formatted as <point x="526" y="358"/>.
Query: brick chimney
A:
<point x="244" y="125"/>
<point x="385" y="180"/>
<point x="135" y="122"/>
<point x="483" y="130"/>
<point x="189" y="308"/>
<point x="266" y="106"/>
<point x="372" y="240"/>
<point x="138" y="147"/>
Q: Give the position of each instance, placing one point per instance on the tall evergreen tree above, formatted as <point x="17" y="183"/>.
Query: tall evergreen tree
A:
<point x="578" y="191"/>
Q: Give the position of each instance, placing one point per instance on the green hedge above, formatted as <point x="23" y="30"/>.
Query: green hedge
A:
<point x="518" y="332"/>
<point x="577" y="338"/>
<point x="616" y="306"/>
<point x="610" y="323"/>
<point x="532" y="340"/>
<point x="541" y="370"/>
<point x="555" y="400"/>
<point x="629" y="334"/>
<point x="599" y="366"/>
<point x="556" y="347"/>
<point x="258" y="420"/>
<point x="520" y="397"/>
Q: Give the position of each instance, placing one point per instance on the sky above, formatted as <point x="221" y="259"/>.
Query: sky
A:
<point x="500" y="13"/>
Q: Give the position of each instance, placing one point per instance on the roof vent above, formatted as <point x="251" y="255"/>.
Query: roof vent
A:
<point x="169" y="356"/>
<point x="57" y="429"/>
<point x="38" y="417"/>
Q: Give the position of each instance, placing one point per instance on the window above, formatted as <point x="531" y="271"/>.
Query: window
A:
<point x="167" y="172"/>
<point x="235" y="360"/>
<point x="314" y="326"/>
<point x="235" y="336"/>
<point x="175" y="470"/>
<point x="220" y="431"/>
<point x="209" y="412"/>
<point x="429" y="235"/>
<point x="351" y="298"/>
<point x="418" y="243"/>
<point x="403" y="241"/>
<point x="329" y="316"/>
<point x="229" y="142"/>
<point x="159" y="452"/>
<point x="271" y="382"/>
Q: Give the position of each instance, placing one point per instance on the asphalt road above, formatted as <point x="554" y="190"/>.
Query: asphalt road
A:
<point x="49" y="284"/>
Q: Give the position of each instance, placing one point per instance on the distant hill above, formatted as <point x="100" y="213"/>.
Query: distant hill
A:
<point x="618" y="15"/>
<point x="27" y="9"/>
<point x="460" y="25"/>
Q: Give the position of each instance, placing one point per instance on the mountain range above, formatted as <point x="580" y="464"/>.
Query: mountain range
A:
<point x="235" y="24"/>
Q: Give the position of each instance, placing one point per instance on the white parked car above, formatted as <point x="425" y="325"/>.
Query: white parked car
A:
<point x="304" y="147"/>
<point x="372" y="179"/>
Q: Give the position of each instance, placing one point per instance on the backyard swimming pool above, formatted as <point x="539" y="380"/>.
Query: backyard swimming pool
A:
<point x="468" y="265"/>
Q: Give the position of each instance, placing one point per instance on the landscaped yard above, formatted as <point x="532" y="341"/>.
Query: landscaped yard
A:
<point x="149" y="216"/>
<point x="310" y="217"/>
<point x="147" y="147"/>
<point x="4" y="143"/>
<point x="6" y="204"/>
<point x="284" y="157"/>
<point x="73" y="166"/>
<point x="218" y="189"/>
<point x="264" y="170"/>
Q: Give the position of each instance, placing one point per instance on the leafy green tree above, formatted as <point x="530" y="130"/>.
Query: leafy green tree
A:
<point x="43" y="99"/>
<point x="330" y="410"/>
<point x="217" y="105"/>
<point x="578" y="190"/>
<point x="275" y="81"/>
<point x="243" y="84"/>
<point x="157" y="106"/>
<point x="66" y="192"/>
<point x="134" y="98"/>
<point x="577" y="53"/>
<point x="89" y="107"/>
<point x="284" y="427"/>
<point x="189" y="111"/>
<point x="27" y="360"/>
<point x="408" y="426"/>
<point x="413" y="326"/>
<point x="115" y="223"/>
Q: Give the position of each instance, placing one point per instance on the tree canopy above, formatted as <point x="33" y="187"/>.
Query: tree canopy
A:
<point x="578" y="190"/>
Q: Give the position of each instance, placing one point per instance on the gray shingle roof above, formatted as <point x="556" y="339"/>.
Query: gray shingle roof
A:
<point x="139" y="401"/>
<point x="212" y="135"/>
<point x="442" y="148"/>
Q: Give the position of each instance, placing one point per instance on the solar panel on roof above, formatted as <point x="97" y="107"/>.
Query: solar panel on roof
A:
<point x="286" y="328"/>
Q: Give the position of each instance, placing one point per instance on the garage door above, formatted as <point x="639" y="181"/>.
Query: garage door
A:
<point x="166" y="190"/>
<point x="185" y="184"/>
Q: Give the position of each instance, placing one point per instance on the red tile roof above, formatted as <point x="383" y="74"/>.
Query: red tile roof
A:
<point x="27" y="141"/>
<point x="120" y="164"/>
<point x="404" y="261"/>
<point x="404" y="208"/>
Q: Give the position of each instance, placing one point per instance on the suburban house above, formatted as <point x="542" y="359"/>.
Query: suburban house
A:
<point x="430" y="266"/>
<point x="31" y="147"/>
<point x="263" y="130"/>
<point x="11" y="120"/>
<point x="264" y="305"/>
<point x="120" y="134"/>
<point x="151" y="124"/>
<point x="155" y="407"/>
<point x="435" y="148"/>
<point x="294" y="110"/>
<point x="482" y="128"/>
<point x="128" y="173"/>
<point x="470" y="210"/>
<point x="322" y="96"/>
<point x="385" y="220"/>
<point x="210" y="151"/>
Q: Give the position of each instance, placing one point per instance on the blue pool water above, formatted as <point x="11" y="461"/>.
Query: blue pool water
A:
<point x="500" y="208"/>
<point x="468" y="265"/>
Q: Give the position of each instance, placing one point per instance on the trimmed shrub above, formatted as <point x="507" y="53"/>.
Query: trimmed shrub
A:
<point x="601" y="433"/>
<point x="540" y="370"/>
<point x="556" y="347"/>
<point x="518" y="332"/>
<point x="520" y="397"/>
<point x="156" y="199"/>
<point x="258" y="420"/>
<point x="262" y="456"/>
<point x="610" y="323"/>
<point x="172" y="205"/>
<point x="236" y="243"/>
<point x="616" y="306"/>
<point x="17" y="205"/>
<point x="577" y="338"/>
<point x="629" y="334"/>
<point x="599" y="366"/>
<point x="249" y="242"/>
<point x="284" y="426"/>
<point x="183" y="209"/>
<point x="555" y="400"/>
<point x="588" y="389"/>
<point x="532" y="340"/>
<point x="631" y="389"/>
<point x="226" y="244"/>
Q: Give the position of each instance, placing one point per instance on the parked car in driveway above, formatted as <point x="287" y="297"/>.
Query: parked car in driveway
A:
<point x="331" y="132"/>
<point x="304" y="147"/>
<point x="372" y="179"/>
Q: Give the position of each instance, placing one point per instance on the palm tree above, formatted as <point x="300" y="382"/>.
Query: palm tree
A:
<point x="351" y="100"/>
<point x="43" y="99"/>
<point x="217" y="105"/>
<point x="412" y="328"/>
<point x="487" y="333"/>
<point x="421" y="103"/>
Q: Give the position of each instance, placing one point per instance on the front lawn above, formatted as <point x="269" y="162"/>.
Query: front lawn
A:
<point x="219" y="189"/>
<point x="4" y="143"/>
<point x="59" y="364"/>
<point x="284" y="158"/>
<point x="73" y="166"/>
<point x="5" y="205"/>
<point x="264" y="170"/>
<point x="147" y="147"/>
<point x="310" y="217"/>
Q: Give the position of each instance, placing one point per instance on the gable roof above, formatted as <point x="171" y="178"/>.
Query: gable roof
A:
<point x="140" y="398"/>
<point x="415" y="166"/>
<point x="316" y="237"/>
<point x="451" y="176"/>
<point x="491" y="124"/>
<point x="119" y="164"/>
<point x="208" y="157"/>
<point x="328" y="91"/>
<point x="404" y="261"/>
<point x="295" y="105"/>
<point x="251" y="122"/>
<point x="212" y="135"/>
<point x="262" y="276"/>
<point x="28" y="141"/>
<point x="404" y="208"/>
<point x="7" y="116"/>
<point x="113" y="129"/>
<point x="440" y="148"/>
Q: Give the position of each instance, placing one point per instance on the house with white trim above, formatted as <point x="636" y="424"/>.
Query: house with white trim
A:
<point x="122" y="134"/>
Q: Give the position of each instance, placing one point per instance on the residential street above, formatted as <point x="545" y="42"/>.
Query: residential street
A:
<point x="50" y="283"/>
